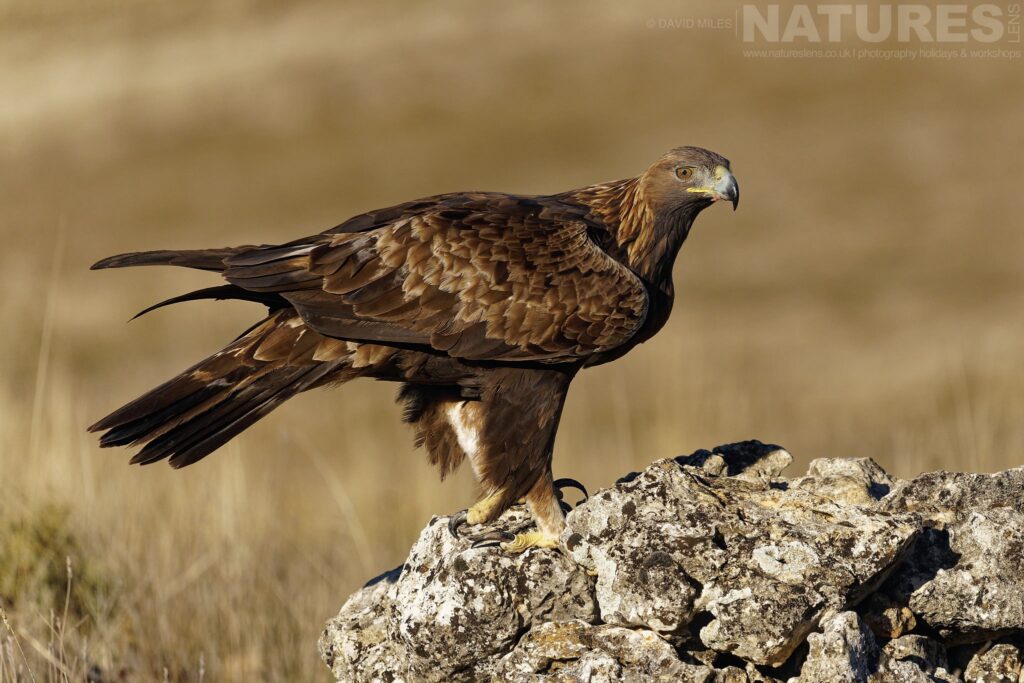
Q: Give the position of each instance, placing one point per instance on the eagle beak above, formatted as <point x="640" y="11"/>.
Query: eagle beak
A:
<point x="726" y="187"/>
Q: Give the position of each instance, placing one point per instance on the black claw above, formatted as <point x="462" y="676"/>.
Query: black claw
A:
<point x="491" y="539"/>
<point x="455" y="521"/>
<point x="566" y="483"/>
<point x="565" y="507"/>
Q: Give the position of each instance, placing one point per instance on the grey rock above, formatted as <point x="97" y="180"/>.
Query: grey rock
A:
<point x="998" y="664"/>
<point x="857" y="481"/>
<point x="964" y="576"/>
<point x="576" y="650"/>
<point x="925" y="653"/>
<point x="843" y="652"/>
<point x="451" y="607"/>
<point x="982" y="596"/>
<point x="713" y="568"/>
<point x="906" y="671"/>
<point x="466" y="603"/>
<point x="751" y="460"/>
<point x="945" y="497"/>
<point x="730" y="674"/>
<point x="357" y="645"/>
<point x="755" y="675"/>
<point x="672" y="542"/>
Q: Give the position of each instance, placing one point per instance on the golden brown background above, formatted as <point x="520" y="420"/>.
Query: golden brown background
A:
<point x="866" y="299"/>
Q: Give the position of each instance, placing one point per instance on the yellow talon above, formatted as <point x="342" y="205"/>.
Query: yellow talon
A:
<point x="533" y="539"/>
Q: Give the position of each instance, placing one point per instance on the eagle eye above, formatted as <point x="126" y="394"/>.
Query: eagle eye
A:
<point x="684" y="172"/>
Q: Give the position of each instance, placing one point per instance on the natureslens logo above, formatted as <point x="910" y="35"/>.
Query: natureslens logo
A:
<point x="901" y="23"/>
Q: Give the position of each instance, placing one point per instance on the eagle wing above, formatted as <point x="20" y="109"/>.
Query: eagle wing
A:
<point x="478" y="277"/>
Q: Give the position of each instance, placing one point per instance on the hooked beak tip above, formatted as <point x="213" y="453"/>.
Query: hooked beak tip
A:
<point x="727" y="188"/>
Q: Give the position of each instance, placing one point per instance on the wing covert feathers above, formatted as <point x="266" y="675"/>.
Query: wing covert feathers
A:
<point x="491" y="278"/>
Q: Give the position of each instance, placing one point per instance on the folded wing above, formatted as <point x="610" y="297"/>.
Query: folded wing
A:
<point x="484" y="277"/>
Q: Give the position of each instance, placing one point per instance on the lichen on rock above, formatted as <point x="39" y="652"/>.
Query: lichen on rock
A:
<point x="712" y="567"/>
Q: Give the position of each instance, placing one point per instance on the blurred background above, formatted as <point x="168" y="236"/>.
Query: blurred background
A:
<point x="865" y="301"/>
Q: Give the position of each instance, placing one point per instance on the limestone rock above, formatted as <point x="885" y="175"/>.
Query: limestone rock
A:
<point x="713" y="568"/>
<point x="857" y="482"/>
<point x="673" y="541"/>
<point x="965" y="576"/>
<point x="886" y="617"/>
<point x="982" y="596"/>
<point x="998" y="664"/>
<point x="948" y="496"/>
<point x="356" y="645"/>
<point x="843" y="652"/>
<point x="575" y="650"/>
<point x="450" y="607"/>
<point x="923" y="652"/>
<point x="751" y="460"/>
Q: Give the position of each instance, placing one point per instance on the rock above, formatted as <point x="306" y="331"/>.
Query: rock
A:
<point x="923" y="652"/>
<point x="731" y="674"/>
<point x="857" y="482"/>
<point x="945" y="497"/>
<point x="998" y="664"/>
<point x="751" y="460"/>
<point x="906" y="671"/>
<point x="843" y="652"/>
<point x="673" y="542"/>
<point x="982" y="596"/>
<point x="712" y="567"/>
<point x="576" y="650"/>
<point x="886" y="617"/>
<point x="357" y="645"/>
<point x="965" y="577"/>
<point x="452" y="605"/>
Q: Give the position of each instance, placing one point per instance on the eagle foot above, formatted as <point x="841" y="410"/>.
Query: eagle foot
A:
<point x="515" y="543"/>
<point x="455" y="521"/>
<point x="489" y="539"/>
<point x="479" y="513"/>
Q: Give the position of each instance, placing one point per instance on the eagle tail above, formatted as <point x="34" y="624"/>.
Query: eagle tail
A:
<point x="190" y="416"/>
<point x="200" y="259"/>
<point x="220" y="293"/>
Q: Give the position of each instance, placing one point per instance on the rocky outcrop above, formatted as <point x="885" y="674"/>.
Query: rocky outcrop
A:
<point x="712" y="567"/>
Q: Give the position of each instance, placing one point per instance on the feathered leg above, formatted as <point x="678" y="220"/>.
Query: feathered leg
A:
<point x="508" y="436"/>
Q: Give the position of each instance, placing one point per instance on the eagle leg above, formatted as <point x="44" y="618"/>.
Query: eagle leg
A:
<point x="508" y="437"/>
<point x="545" y="505"/>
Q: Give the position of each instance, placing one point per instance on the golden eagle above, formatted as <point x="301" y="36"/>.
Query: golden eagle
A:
<point x="482" y="305"/>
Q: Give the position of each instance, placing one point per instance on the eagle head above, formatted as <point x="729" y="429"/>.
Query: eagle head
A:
<point x="690" y="177"/>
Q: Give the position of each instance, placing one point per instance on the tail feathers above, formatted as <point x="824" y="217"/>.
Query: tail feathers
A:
<point x="227" y="415"/>
<point x="201" y="259"/>
<point x="195" y="413"/>
<point x="220" y="293"/>
<point x="202" y="377"/>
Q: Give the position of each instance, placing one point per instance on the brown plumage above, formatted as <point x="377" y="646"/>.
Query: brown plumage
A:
<point x="483" y="305"/>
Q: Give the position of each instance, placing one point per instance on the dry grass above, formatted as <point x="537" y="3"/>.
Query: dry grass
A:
<point x="865" y="300"/>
